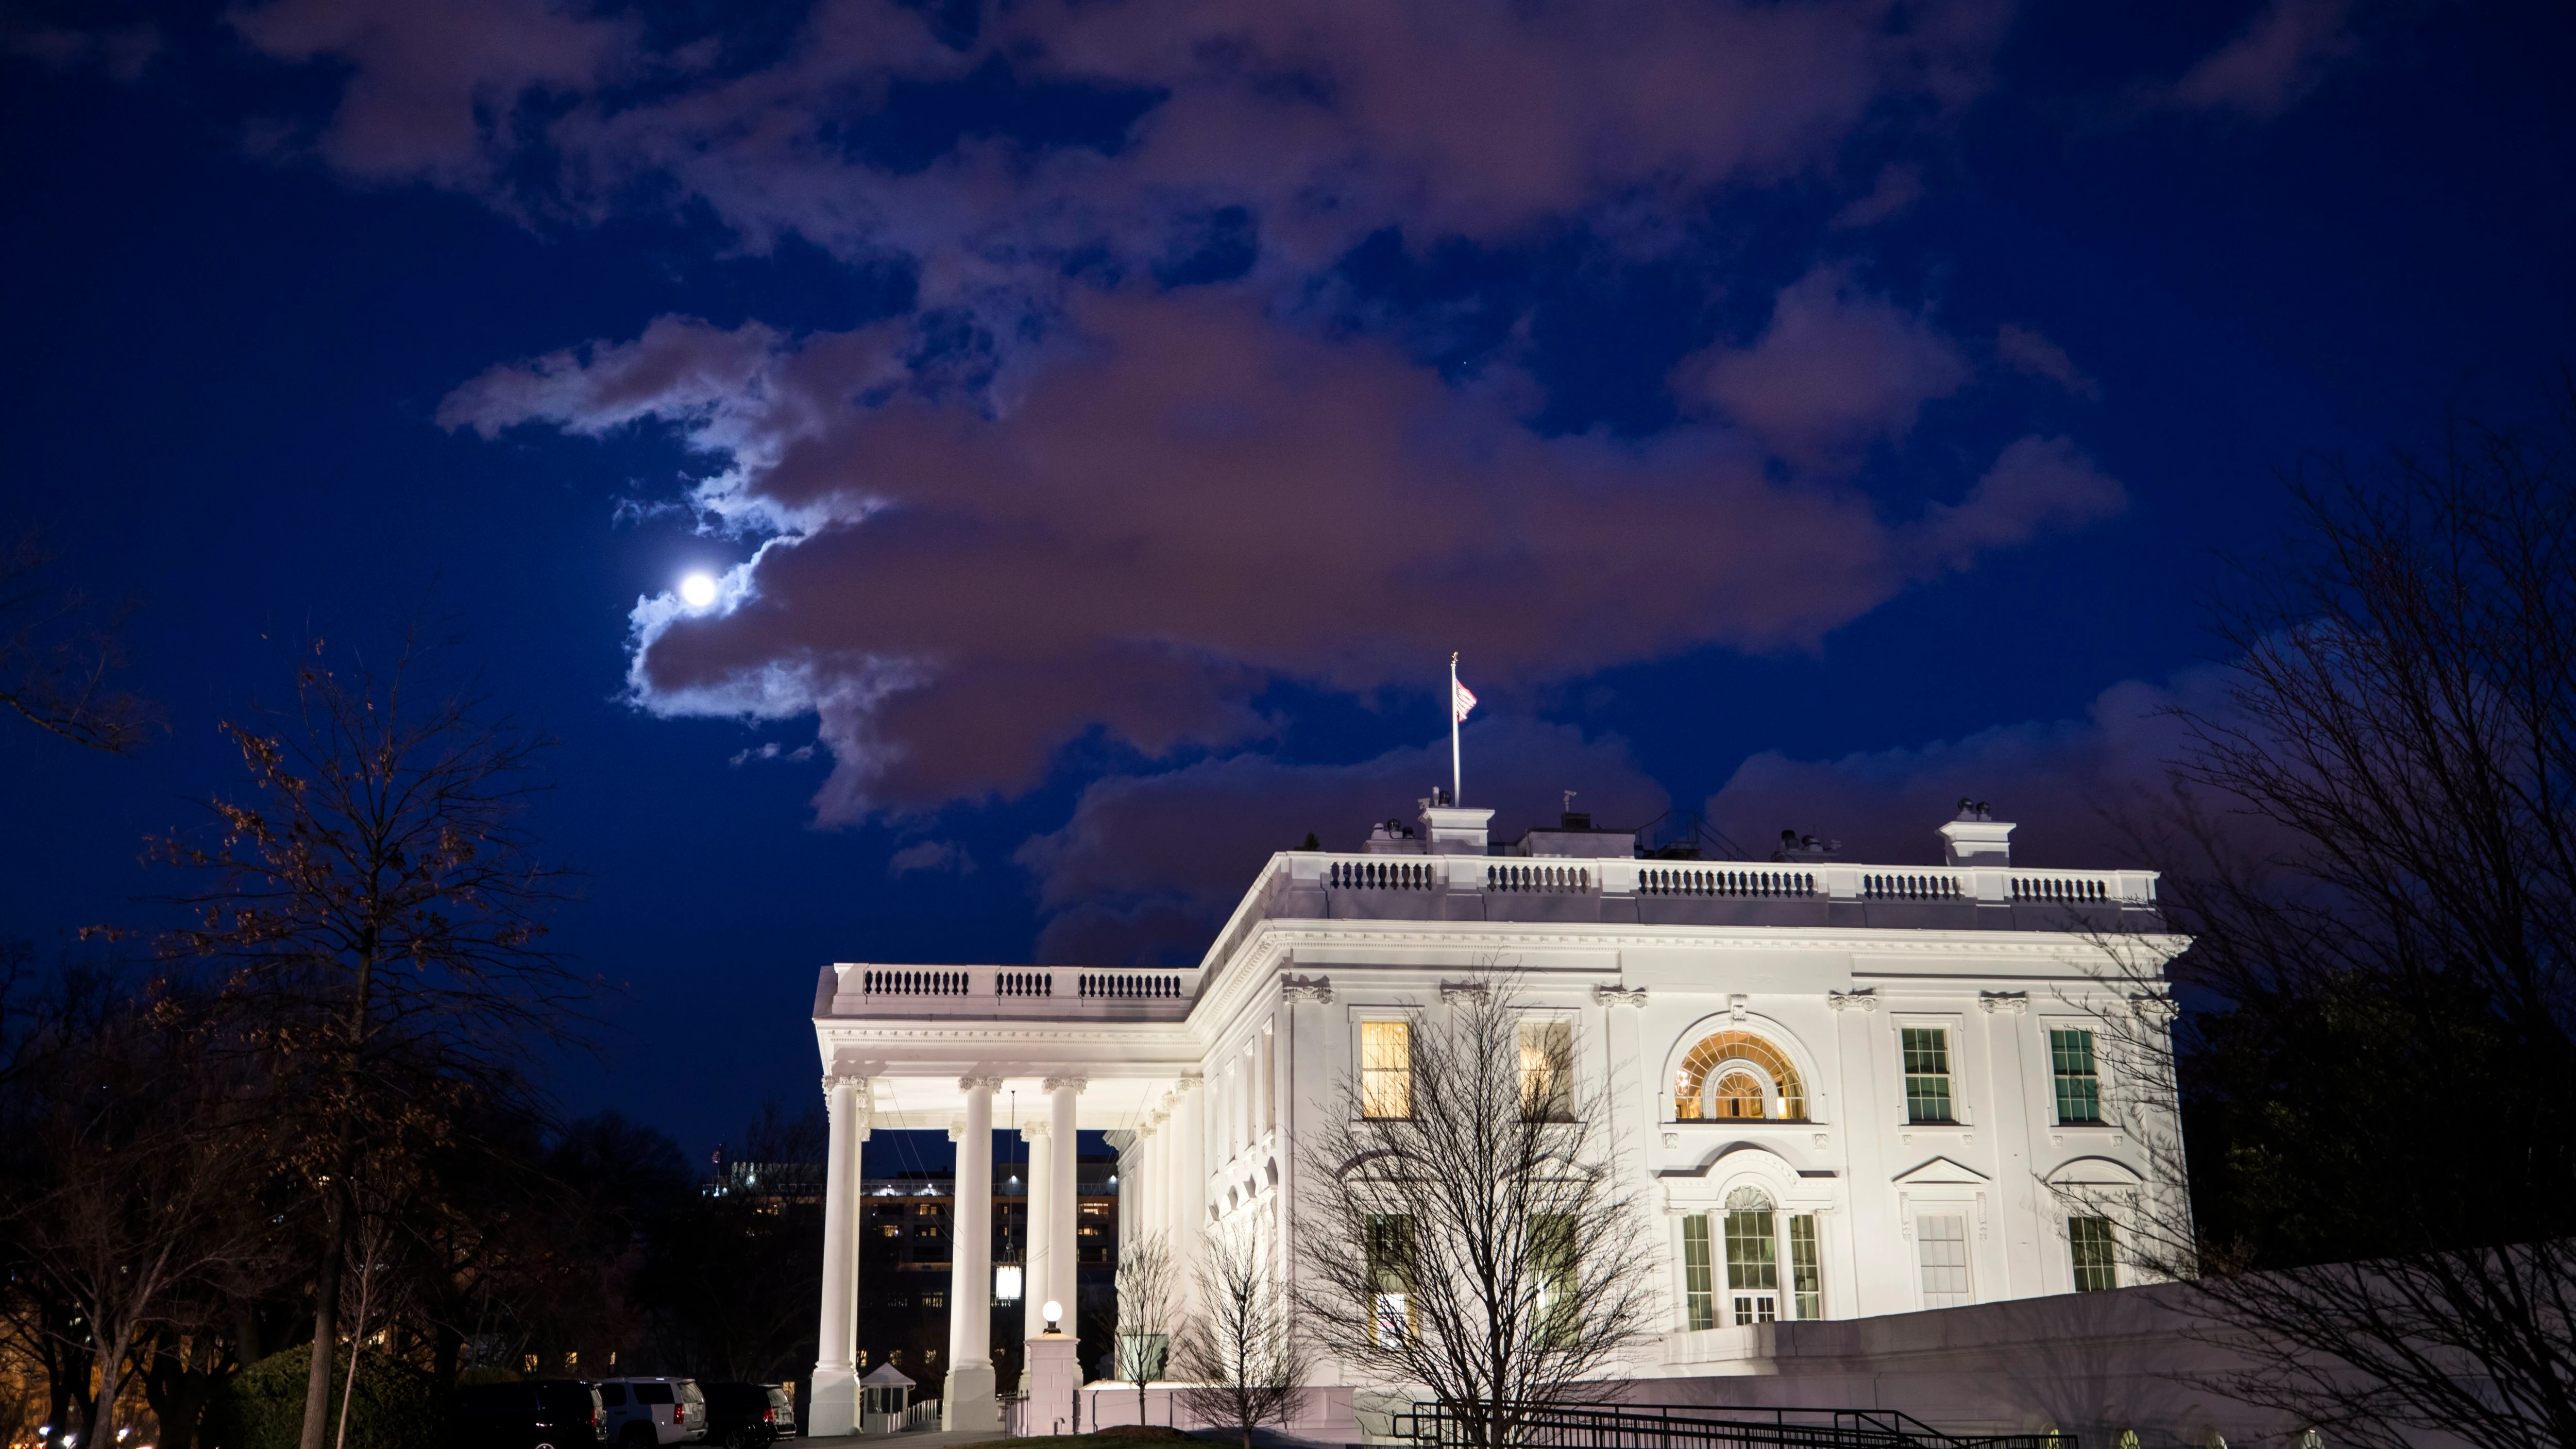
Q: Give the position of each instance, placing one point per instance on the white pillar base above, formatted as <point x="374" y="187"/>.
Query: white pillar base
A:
<point x="835" y="1410"/>
<point x="968" y="1402"/>
<point x="1052" y="1378"/>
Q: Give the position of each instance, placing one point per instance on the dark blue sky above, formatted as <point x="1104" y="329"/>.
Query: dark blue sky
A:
<point x="1806" y="413"/>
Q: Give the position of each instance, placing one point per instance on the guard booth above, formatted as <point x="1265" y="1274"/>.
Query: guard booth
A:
<point x="885" y="1399"/>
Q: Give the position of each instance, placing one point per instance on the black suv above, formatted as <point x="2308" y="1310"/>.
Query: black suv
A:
<point x="534" y="1414"/>
<point x="746" y="1416"/>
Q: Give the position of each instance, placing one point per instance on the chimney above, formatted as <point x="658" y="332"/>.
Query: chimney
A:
<point x="1450" y="830"/>
<point x="1977" y="842"/>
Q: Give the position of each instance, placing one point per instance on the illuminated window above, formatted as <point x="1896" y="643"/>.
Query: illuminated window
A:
<point x="1806" y="1274"/>
<point x="1752" y="1256"/>
<point x="2079" y="1085"/>
<point x="1927" y="1074"/>
<point x="1547" y="1071"/>
<point x="2095" y="1252"/>
<point x="1386" y="1069"/>
<point x="1696" y="1293"/>
<point x="1737" y="1074"/>
<point x="1390" y="1267"/>
<point x="1552" y="1266"/>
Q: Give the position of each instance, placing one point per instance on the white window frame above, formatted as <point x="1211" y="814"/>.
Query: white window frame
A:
<point x="1955" y="1026"/>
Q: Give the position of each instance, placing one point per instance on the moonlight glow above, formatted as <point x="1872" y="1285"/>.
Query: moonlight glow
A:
<point x="698" y="590"/>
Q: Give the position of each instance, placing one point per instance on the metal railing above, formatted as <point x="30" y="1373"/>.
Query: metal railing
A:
<point x="1696" y="1426"/>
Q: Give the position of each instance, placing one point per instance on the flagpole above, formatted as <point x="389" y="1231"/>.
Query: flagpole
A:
<point x="1453" y="727"/>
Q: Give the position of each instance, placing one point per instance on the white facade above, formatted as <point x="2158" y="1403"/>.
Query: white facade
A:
<point x="1748" y="1022"/>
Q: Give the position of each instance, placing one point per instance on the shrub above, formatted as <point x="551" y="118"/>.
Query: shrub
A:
<point x="262" y="1407"/>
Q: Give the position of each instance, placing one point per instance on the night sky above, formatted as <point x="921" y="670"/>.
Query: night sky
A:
<point x="1105" y="419"/>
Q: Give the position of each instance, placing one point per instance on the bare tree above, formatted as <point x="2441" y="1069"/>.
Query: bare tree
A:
<point x="1144" y="1328"/>
<point x="138" y="1127"/>
<point x="2374" y="842"/>
<point x="377" y="904"/>
<point x="1241" y="1355"/>
<point x="59" y="659"/>
<point x="1469" y="1232"/>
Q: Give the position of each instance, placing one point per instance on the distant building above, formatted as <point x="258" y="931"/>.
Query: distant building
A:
<point x="907" y="1264"/>
<point x="1850" y="1090"/>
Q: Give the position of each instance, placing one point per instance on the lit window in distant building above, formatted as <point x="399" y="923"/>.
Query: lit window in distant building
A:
<point x="1386" y="1069"/>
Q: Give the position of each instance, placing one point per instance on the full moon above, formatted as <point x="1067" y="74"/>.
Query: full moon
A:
<point x="698" y="590"/>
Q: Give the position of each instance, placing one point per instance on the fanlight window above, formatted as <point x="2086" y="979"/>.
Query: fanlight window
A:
<point x="1736" y="1074"/>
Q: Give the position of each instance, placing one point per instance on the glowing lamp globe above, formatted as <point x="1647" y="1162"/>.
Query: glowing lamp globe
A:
<point x="1054" y="1312"/>
<point x="698" y="590"/>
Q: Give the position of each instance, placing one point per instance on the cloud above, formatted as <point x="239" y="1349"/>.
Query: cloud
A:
<point x="1075" y="126"/>
<point x="2024" y="350"/>
<point x="1181" y="501"/>
<point x="2055" y="779"/>
<point x="1898" y="187"/>
<point x="1149" y="866"/>
<point x="1835" y="370"/>
<point x="2282" y="55"/>
<point x="771" y="751"/>
<point x="945" y="855"/>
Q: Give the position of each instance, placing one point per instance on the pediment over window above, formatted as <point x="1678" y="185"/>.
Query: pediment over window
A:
<point x="1940" y="1172"/>
<point x="2094" y="1172"/>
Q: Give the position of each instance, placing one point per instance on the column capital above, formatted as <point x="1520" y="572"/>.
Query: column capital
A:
<point x="972" y="1084"/>
<point x="1860" y="999"/>
<point x="1189" y="1082"/>
<point x="1067" y="1084"/>
<point x="1317" y="989"/>
<point x="1619" y="995"/>
<point x="1032" y="1131"/>
<point x="832" y="1080"/>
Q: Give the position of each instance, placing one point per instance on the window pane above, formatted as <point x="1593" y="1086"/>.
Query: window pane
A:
<point x="1752" y="1254"/>
<point x="1386" y="1069"/>
<point x="1716" y="1058"/>
<point x="1942" y="1244"/>
<point x="1695" y="1280"/>
<point x="1927" y="1074"/>
<point x="2096" y="1254"/>
<point x="1552" y="1250"/>
<point x="2079" y="1086"/>
<point x="1390" y="1265"/>
<point x="1806" y="1279"/>
<point x="1547" y="1070"/>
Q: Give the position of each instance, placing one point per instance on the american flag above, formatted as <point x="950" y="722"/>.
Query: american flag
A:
<point x="1461" y="700"/>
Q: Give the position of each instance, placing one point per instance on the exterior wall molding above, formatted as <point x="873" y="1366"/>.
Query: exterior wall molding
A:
<point x="1317" y="989"/>
<point x="2016" y="1002"/>
<point x="1465" y="990"/>
<point x="1619" y="995"/>
<point x="1863" y="998"/>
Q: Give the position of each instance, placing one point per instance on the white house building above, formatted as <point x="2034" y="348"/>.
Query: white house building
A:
<point x="1891" y="1074"/>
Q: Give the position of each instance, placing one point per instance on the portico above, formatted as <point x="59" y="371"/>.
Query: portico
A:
<point x="1078" y="1050"/>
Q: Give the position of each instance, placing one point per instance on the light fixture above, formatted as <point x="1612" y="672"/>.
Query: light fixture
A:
<point x="1054" y="1313"/>
<point x="1006" y="1282"/>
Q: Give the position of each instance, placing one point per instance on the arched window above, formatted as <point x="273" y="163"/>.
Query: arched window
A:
<point x="1735" y="1074"/>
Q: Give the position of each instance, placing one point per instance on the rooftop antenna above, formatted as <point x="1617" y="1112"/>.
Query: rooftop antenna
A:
<point x="1569" y="802"/>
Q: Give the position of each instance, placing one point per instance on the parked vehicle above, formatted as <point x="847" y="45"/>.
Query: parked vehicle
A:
<point x="746" y="1416"/>
<point x="644" y="1413"/>
<point x="533" y="1414"/>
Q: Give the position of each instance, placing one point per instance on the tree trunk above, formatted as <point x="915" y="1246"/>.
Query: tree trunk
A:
<point x="326" y="1324"/>
<point x="111" y="1377"/>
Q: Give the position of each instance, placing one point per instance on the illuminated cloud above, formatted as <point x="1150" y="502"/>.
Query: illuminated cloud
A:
<point x="1181" y="500"/>
<point x="1836" y="370"/>
<point x="2284" y="53"/>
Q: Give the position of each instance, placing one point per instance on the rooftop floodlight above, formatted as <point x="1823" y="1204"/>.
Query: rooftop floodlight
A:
<point x="1054" y="1312"/>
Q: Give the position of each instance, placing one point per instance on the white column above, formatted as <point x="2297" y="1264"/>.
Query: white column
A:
<point x="1036" y="1236"/>
<point x="1189" y="1185"/>
<point x="1064" y="1212"/>
<point x="968" y="1401"/>
<point x="834" y="1409"/>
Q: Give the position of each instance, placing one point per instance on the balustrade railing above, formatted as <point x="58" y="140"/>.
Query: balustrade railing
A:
<point x="1923" y="886"/>
<point x="913" y="983"/>
<point x="1539" y="879"/>
<point x="1381" y="875"/>
<point x="1131" y="985"/>
<point x="1698" y="880"/>
<point x="1024" y="983"/>
<point x="2071" y="890"/>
